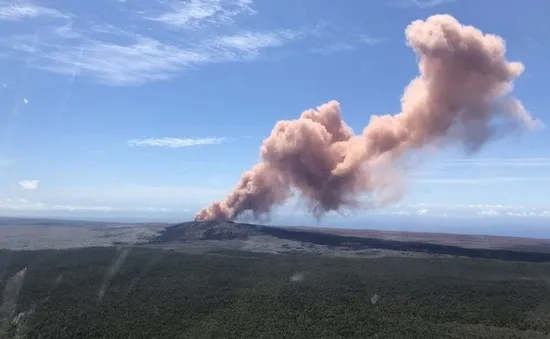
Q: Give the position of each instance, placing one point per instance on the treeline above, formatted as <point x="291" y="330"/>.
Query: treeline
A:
<point x="143" y="293"/>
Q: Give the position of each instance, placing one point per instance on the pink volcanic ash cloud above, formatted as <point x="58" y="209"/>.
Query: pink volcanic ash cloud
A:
<point x="462" y="94"/>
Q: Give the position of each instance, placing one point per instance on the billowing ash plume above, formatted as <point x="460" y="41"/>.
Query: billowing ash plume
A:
<point x="461" y="95"/>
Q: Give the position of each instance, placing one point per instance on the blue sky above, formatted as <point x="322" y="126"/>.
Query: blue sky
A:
<point x="151" y="109"/>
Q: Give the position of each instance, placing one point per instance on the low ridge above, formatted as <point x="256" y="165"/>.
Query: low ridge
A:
<point x="227" y="230"/>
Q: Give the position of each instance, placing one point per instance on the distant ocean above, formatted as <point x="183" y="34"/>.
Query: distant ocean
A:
<point x="504" y="226"/>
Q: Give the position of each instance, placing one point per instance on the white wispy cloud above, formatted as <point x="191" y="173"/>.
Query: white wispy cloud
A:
<point x="115" y="198"/>
<point x="422" y="211"/>
<point x="544" y="214"/>
<point x="347" y="42"/>
<point x="29" y="185"/>
<point x="126" y="56"/>
<point x="470" y="210"/>
<point x="108" y="29"/>
<point x="463" y="206"/>
<point x="372" y="41"/>
<point x="499" y="162"/>
<point x="175" y="142"/>
<point x="24" y="205"/>
<point x="417" y="3"/>
<point x="143" y="59"/>
<point x="489" y="213"/>
<point x="196" y="13"/>
<point x="478" y="181"/>
<point x="136" y="195"/>
<point x="19" y="10"/>
<point x="333" y="48"/>
<point x="253" y="41"/>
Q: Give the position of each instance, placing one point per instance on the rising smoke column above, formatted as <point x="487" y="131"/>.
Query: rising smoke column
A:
<point x="461" y="95"/>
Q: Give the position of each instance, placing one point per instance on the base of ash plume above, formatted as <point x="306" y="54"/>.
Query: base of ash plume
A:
<point x="211" y="230"/>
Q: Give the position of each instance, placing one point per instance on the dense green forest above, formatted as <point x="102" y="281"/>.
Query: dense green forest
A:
<point x="145" y="293"/>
